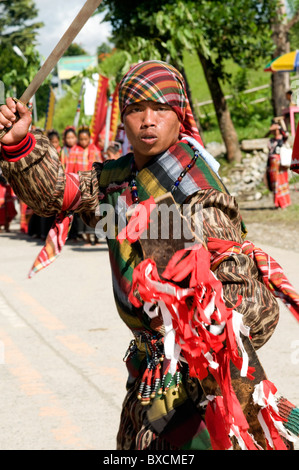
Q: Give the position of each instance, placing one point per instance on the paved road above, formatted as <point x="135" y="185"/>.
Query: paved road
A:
<point x="62" y="378"/>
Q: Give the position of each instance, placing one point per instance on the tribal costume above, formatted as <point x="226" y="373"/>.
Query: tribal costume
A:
<point x="278" y="180"/>
<point x="80" y="159"/>
<point x="176" y="419"/>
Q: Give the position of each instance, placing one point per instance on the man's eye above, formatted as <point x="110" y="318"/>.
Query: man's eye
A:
<point x="134" y="110"/>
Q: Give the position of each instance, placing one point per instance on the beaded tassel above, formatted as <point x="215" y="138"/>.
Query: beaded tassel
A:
<point x="156" y="381"/>
<point x="162" y="388"/>
<point x="142" y="384"/>
<point x="146" y="396"/>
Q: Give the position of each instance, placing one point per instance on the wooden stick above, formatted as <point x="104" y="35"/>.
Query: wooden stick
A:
<point x="84" y="14"/>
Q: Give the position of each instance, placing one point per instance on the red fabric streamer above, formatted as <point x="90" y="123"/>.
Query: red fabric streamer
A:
<point x="215" y="419"/>
<point x="191" y="324"/>
<point x="277" y="441"/>
<point x="266" y="391"/>
<point x="138" y="222"/>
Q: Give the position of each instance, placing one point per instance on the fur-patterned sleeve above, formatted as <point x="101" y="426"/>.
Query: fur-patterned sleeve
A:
<point x="38" y="179"/>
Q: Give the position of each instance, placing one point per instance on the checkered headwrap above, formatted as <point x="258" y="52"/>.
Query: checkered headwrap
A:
<point x="158" y="81"/>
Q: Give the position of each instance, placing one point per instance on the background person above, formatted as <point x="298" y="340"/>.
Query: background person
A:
<point x="277" y="176"/>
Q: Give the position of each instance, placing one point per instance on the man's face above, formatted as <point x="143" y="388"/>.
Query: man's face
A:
<point x="151" y="128"/>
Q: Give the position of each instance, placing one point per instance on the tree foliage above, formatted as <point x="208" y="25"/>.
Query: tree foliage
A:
<point x="235" y="29"/>
<point x="75" y="49"/>
<point x="18" y="28"/>
<point x="293" y="13"/>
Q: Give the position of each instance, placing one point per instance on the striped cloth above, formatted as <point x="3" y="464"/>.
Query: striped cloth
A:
<point x="59" y="231"/>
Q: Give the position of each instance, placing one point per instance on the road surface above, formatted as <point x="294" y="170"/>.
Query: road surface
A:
<point x="62" y="377"/>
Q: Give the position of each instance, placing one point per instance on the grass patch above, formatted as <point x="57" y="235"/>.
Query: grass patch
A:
<point x="266" y="214"/>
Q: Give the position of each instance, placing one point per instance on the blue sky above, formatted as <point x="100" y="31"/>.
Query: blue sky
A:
<point x="57" y="15"/>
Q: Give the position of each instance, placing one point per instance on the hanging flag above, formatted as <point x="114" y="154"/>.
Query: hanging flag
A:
<point x="90" y="93"/>
<point x="100" y="110"/>
<point x="50" y="110"/>
<point x="114" y="114"/>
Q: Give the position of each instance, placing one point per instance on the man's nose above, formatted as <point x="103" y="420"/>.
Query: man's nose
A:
<point x="149" y="117"/>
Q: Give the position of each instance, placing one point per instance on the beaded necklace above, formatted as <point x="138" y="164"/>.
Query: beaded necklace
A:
<point x="174" y="187"/>
<point x="133" y="183"/>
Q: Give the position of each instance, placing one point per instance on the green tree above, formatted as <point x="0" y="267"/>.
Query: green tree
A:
<point x="75" y="49"/>
<point x="284" y="26"/>
<point x="18" y="28"/>
<point x="237" y="30"/>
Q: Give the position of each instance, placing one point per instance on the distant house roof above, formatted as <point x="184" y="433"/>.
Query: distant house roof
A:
<point x="69" y="66"/>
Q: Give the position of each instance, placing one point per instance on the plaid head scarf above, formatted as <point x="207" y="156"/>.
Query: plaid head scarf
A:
<point x="160" y="82"/>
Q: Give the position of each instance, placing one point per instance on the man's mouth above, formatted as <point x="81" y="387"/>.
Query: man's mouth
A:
<point x="149" y="138"/>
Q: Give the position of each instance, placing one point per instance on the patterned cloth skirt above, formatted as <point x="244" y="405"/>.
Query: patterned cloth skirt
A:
<point x="278" y="182"/>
